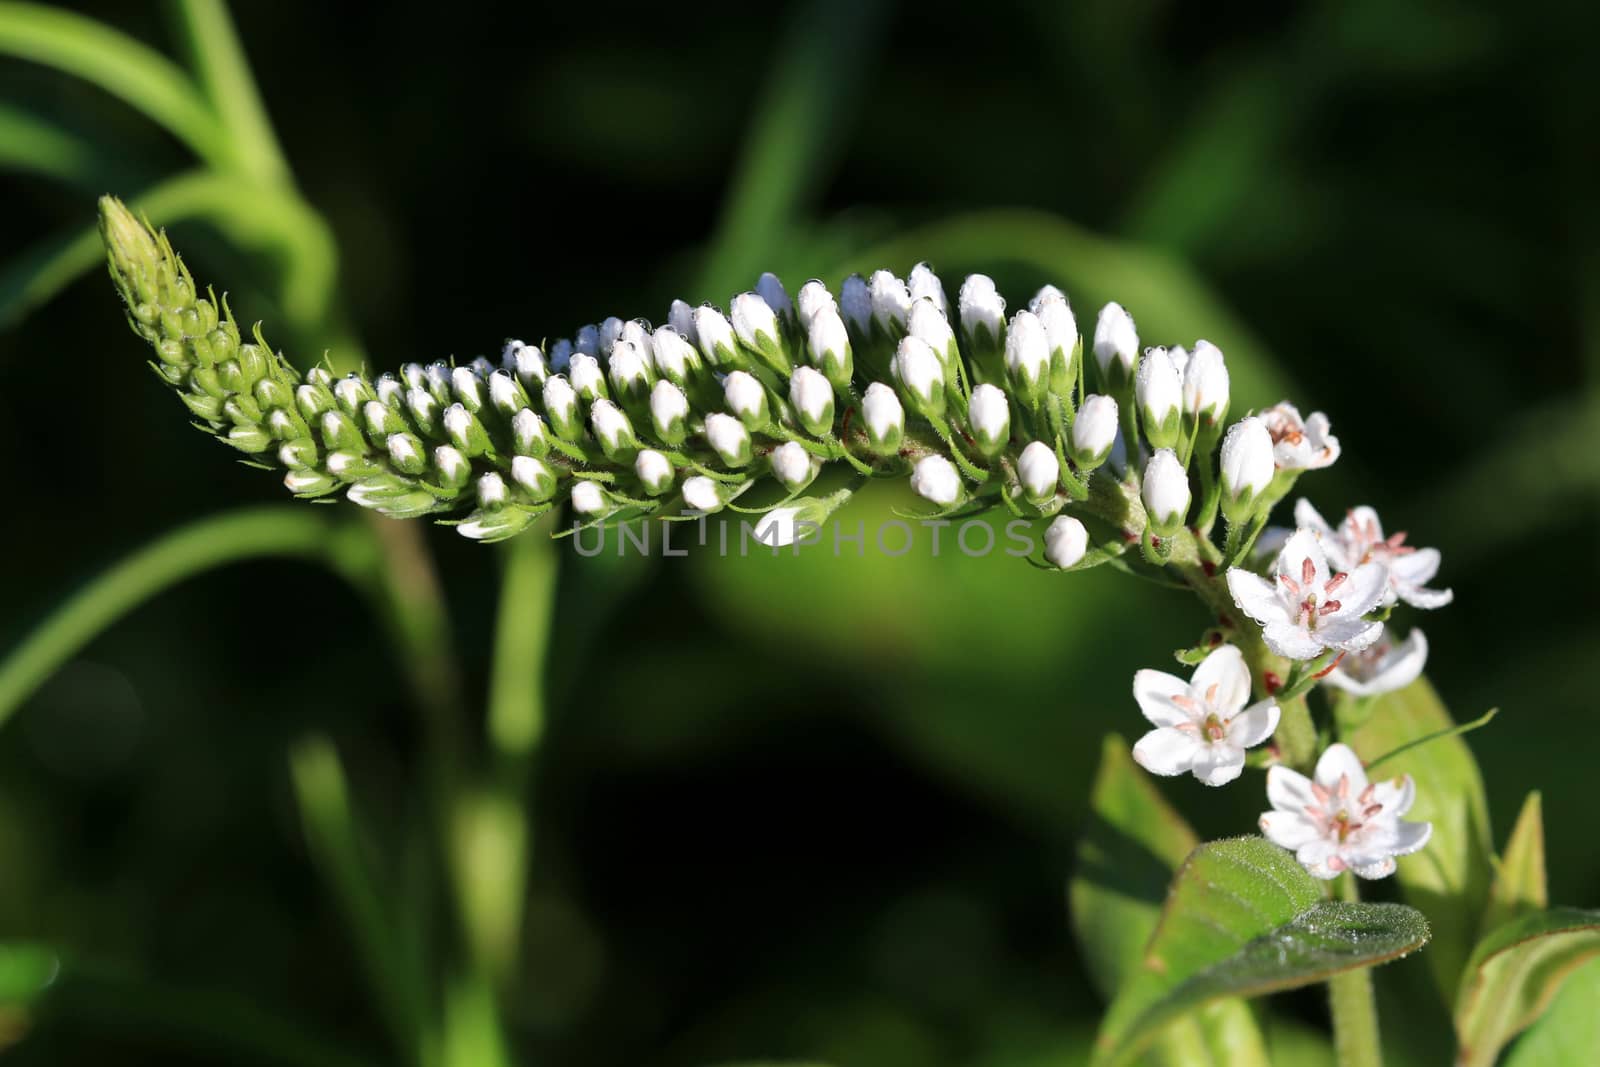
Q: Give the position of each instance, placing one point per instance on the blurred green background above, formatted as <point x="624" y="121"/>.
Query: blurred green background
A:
<point x="787" y="807"/>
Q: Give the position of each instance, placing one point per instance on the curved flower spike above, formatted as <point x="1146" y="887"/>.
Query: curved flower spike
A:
<point x="1202" y="725"/>
<point x="1359" y="539"/>
<point x="1336" y="820"/>
<point x="1303" y="609"/>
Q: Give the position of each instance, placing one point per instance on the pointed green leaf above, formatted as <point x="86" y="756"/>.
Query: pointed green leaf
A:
<point x="1449" y="879"/>
<point x="1519" y="880"/>
<point x="1569" y="1032"/>
<point x="1126" y="856"/>
<point x="1243" y="918"/>
<point x="1515" y="973"/>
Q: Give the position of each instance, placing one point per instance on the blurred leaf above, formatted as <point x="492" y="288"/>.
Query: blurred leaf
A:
<point x="1515" y="973"/>
<point x="1519" y="881"/>
<point x="207" y="32"/>
<point x="255" y="218"/>
<point x="1569" y="1031"/>
<point x="1448" y="880"/>
<point x="38" y="145"/>
<point x="142" y="78"/>
<point x="1294" y="1044"/>
<point x="824" y="55"/>
<point x="26" y="972"/>
<point x="1243" y="918"/>
<point x="1170" y="302"/>
<point x="1126" y="856"/>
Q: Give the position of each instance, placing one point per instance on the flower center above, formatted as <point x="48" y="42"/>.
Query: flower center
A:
<point x="1340" y="815"/>
<point x="1311" y="605"/>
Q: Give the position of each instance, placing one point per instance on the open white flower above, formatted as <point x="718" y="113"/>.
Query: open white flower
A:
<point x="1303" y="608"/>
<point x="1336" y="820"/>
<point x="1359" y="539"/>
<point x="1300" y="444"/>
<point x="1381" y="667"/>
<point x="1202" y="725"/>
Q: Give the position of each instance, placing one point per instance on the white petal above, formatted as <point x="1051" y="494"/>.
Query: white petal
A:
<point x="1302" y="546"/>
<point x="1218" y="763"/>
<point x="1382" y="868"/>
<point x="1320" y="858"/>
<point x="1361" y="590"/>
<point x="1224" y="668"/>
<point x="1307" y="517"/>
<point x="1256" y="597"/>
<point x="1415" y="568"/>
<point x="1341" y="761"/>
<point x="1253" y="725"/>
<point x="1349" y="634"/>
<point x="1427" y="599"/>
<point x="1395" y="794"/>
<point x="1400" y="666"/>
<point x="1291" y="641"/>
<point x="1288" y="790"/>
<point x="1166" y="752"/>
<point x="1154" y="691"/>
<point x="1409" y="837"/>
<point x="1289" y="829"/>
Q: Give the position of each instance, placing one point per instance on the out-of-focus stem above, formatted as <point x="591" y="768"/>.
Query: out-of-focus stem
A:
<point x="1352" y="1005"/>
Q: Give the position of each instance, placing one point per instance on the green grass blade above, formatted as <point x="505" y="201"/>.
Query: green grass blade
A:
<point x="128" y="70"/>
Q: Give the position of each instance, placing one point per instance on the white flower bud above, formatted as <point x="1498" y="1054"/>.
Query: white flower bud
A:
<point x="891" y="302"/>
<point x="681" y="318"/>
<point x="637" y="333"/>
<point x="812" y="399"/>
<point x="309" y="483"/>
<point x="1116" y="345"/>
<point x="675" y="358"/>
<point x="813" y="297"/>
<point x="793" y="465"/>
<point x="928" y="324"/>
<point x="1159" y="393"/>
<point x="728" y="438"/>
<point x="452" y="467"/>
<point x="1247" y="467"/>
<point x="669" y="412"/>
<point x="465" y="385"/>
<point x="482" y="368"/>
<point x="587" y="380"/>
<point x="934" y="478"/>
<point x="746" y="398"/>
<point x="923" y="284"/>
<point x="610" y="331"/>
<point x="527" y="432"/>
<point x="527" y="363"/>
<point x="588" y="498"/>
<point x="1205" y="385"/>
<point x="464" y="430"/>
<point x="716" y="339"/>
<point x="1165" y="492"/>
<point x="423" y="407"/>
<point x="829" y="344"/>
<point x="701" y="494"/>
<point x="1061" y="334"/>
<point x="438" y="375"/>
<point x="756" y="325"/>
<point x="352" y="392"/>
<point x="561" y="407"/>
<point x="534" y="476"/>
<point x="983" y="312"/>
<point x="379" y="419"/>
<point x="561" y="351"/>
<point x="405" y="452"/>
<point x="1039" y="470"/>
<point x="990" y="416"/>
<point x="886" y="419"/>
<point x="1094" y="431"/>
<point x="506" y="394"/>
<point x="855" y="300"/>
<point x="1028" y="355"/>
<point x="654" y="471"/>
<point x="1065" y="542"/>
<point x="492" y="490"/>
<point x="390" y="391"/>
<point x="921" y="376"/>
<point x="1180" y="359"/>
<point x="630" y="374"/>
<point x="772" y="291"/>
<point x="612" y="427"/>
<point x="413" y="375"/>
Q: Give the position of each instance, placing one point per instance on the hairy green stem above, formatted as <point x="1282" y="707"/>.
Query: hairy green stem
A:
<point x="1353" y="1007"/>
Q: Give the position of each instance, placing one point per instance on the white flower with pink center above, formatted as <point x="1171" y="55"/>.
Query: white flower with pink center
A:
<point x="1303" y="608"/>
<point x="1359" y="539"/>
<point x="1300" y="444"/>
<point x="1336" y="820"/>
<point x="1201" y="725"/>
<point x="1381" y="667"/>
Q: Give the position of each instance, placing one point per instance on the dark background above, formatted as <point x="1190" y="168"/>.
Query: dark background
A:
<point x="798" y="808"/>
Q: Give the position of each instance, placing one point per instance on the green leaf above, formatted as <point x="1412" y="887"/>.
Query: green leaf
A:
<point x="37" y="145"/>
<point x="1126" y="856"/>
<point x="1515" y="973"/>
<point x="1244" y="918"/>
<point x="1519" y="880"/>
<point x="26" y="971"/>
<point x="137" y="75"/>
<point x="1448" y="880"/>
<point x="1569" y="1032"/>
